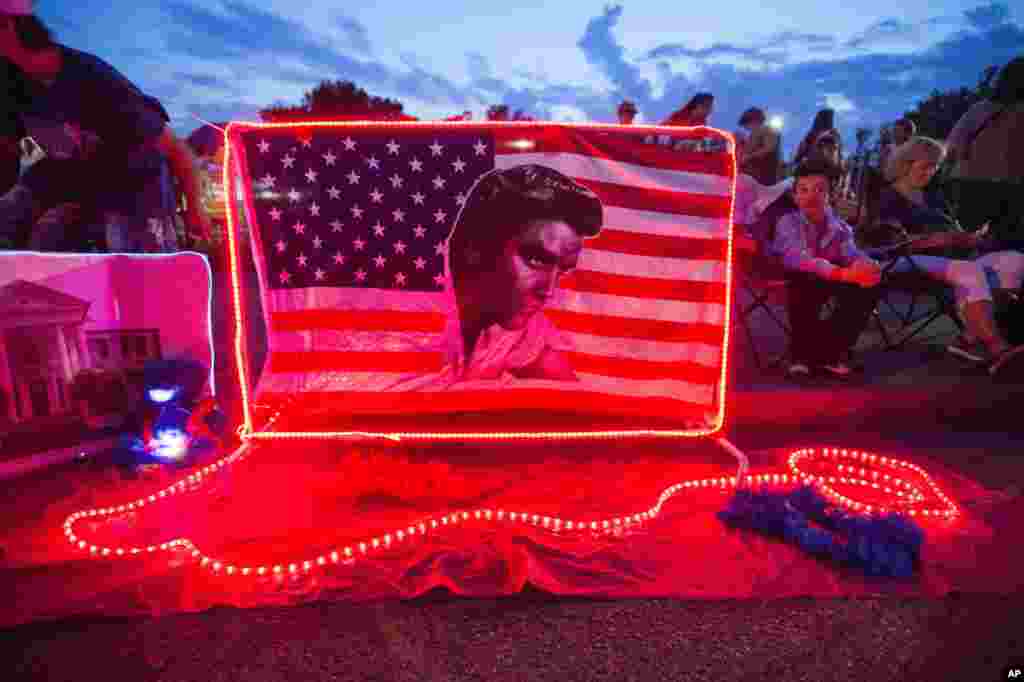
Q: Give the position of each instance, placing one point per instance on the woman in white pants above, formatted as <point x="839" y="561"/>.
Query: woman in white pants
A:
<point x="967" y="261"/>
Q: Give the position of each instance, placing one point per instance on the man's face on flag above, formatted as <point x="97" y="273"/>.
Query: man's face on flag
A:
<point x="525" y="275"/>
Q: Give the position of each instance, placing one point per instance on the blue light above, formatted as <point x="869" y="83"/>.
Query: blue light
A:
<point x="163" y="395"/>
<point x="169" y="444"/>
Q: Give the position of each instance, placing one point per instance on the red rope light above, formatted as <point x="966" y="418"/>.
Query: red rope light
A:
<point x="893" y="492"/>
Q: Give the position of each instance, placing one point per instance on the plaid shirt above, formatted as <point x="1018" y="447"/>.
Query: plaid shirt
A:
<point x="806" y="247"/>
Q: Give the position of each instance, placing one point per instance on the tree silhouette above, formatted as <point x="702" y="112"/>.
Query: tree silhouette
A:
<point x="936" y="115"/>
<point x="337" y="100"/>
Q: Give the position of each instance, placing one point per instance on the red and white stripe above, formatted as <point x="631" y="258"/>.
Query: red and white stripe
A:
<point x="646" y="307"/>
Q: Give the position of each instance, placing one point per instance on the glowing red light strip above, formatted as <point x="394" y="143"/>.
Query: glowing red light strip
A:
<point x="247" y="429"/>
<point x="904" y="493"/>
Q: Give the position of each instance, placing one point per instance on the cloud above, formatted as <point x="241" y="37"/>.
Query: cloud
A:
<point x="988" y="17"/>
<point x="884" y="31"/>
<point x="602" y="51"/>
<point x="355" y="34"/>
<point x="865" y="88"/>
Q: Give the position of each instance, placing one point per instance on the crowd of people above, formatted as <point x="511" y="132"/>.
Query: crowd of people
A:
<point x="87" y="157"/>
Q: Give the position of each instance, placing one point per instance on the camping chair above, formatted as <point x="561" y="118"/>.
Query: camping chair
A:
<point x="761" y="285"/>
<point x="912" y="303"/>
<point x="760" y="294"/>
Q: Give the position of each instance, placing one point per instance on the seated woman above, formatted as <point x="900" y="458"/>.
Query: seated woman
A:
<point x="822" y="261"/>
<point x="945" y="251"/>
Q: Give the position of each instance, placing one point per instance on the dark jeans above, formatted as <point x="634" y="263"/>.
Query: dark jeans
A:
<point x="817" y="342"/>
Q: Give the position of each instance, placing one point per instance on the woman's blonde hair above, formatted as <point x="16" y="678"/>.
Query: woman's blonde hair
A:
<point x="914" y="149"/>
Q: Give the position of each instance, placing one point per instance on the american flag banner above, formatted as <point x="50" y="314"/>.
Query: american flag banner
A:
<point x="400" y="273"/>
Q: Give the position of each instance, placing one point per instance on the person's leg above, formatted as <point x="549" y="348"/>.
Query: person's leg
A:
<point x="853" y="310"/>
<point x="18" y="211"/>
<point x="805" y="296"/>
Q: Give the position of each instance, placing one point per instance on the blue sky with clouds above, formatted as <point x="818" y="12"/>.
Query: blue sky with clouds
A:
<point x="571" y="61"/>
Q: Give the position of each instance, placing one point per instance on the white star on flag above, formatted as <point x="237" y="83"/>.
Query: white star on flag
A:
<point x="317" y="242"/>
<point x="435" y="149"/>
<point x="311" y="175"/>
<point x="420" y="231"/>
<point x="416" y="165"/>
<point x="398" y="215"/>
<point x="439" y="182"/>
<point x="418" y="198"/>
<point x="284" y="276"/>
<point x="329" y="158"/>
<point x="302" y="260"/>
<point x="392" y="147"/>
<point x="314" y="209"/>
<point x="358" y="244"/>
<point x="264" y="146"/>
<point x="400" y="279"/>
<point x="353" y="178"/>
<point x="349" y="143"/>
<point x="480" y="148"/>
<point x="373" y="163"/>
<point x="299" y="228"/>
<point x="420" y="263"/>
<point x="334" y="192"/>
<point x="440" y="248"/>
<point x="460" y="199"/>
<point x="459" y="165"/>
<point x="335" y="225"/>
<point x="294" y="196"/>
<point x="376" y="196"/>
<point x="360" y="274"/>
<point x="396" y="181"/>
<point x="380" y="261"/>
<point x="339" y="258"/>
<point x="288" y="161"/>
<point x="400" y="247"/>
<point x="268" y="180"/>
<point x="439" y="215"/>
<point x="281" y="246"/>
<point x="378" y="229"/>
<point x="319" y="274"/>
<point x="439" y="280"/>
<point x="275" y="213"/>
<point x="356" y="211"/>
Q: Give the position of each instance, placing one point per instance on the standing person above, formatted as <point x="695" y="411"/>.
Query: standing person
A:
<point x="626" y="112"/>
<point x="74" y="97"/>
<point x="695" y="113"/>
<point x="985" y="145"/>
<point x="824" y="124"/>
<point x="762" y="154"/>
<point x="822" y="261"/>
<point x="902" y="131"/>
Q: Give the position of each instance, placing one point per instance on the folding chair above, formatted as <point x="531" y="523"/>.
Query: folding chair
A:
<point x="929" y="302"/>
<point x="760" y="291"/>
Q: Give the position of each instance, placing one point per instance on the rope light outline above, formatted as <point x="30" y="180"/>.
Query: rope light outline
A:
<point x="905" y="495"/>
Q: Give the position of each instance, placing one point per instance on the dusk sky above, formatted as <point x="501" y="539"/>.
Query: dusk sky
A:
<point x="565" y="61"/>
